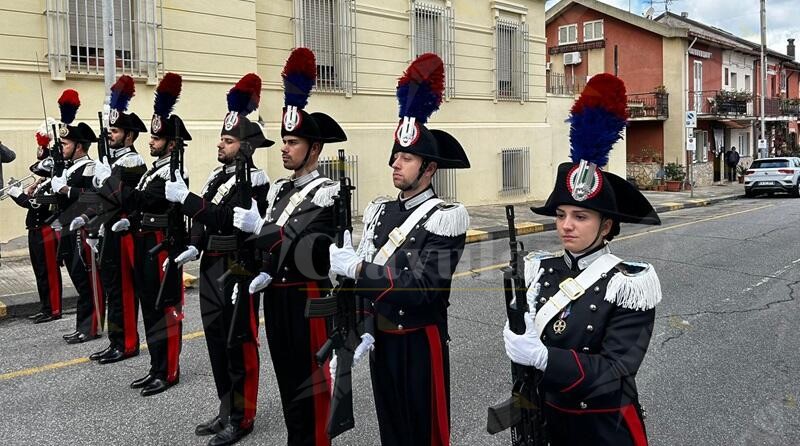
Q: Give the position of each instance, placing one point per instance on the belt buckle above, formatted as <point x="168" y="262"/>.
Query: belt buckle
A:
<point x="296" y="199"/>
<point x="571" y="288"/>
<point x="397" y="237"/>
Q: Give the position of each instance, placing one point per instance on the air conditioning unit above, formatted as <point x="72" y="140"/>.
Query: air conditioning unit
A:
<point x="548" y="66"/>
<point x="572" y="58"/>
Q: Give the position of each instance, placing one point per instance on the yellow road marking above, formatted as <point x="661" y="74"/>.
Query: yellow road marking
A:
<point x="200" y="334"/>
<point x="3" y="310"/>
<point x="475" y="235"/>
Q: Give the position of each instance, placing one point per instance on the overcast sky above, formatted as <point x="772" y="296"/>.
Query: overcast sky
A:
<point x="739" y="17"/>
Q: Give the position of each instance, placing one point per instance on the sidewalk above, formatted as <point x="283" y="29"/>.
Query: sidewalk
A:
<point x="18" y="295"/>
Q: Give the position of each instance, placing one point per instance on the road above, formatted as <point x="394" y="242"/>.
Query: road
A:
<point x="721" y="368"/>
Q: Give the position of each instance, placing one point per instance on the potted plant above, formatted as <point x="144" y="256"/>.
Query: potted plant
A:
<point x="741" y="170"/>
<point x="674" y="175"/>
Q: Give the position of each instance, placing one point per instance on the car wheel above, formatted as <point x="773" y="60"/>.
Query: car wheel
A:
<point x="749" y="193"/>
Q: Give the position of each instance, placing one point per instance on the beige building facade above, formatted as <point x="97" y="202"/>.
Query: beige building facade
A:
<point x="496" y="103"/>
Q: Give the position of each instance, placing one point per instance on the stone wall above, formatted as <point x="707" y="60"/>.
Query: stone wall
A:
<point x="643" y="174"/>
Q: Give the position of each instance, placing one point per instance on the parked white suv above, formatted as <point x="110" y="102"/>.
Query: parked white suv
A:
<point x="768" y="175"/>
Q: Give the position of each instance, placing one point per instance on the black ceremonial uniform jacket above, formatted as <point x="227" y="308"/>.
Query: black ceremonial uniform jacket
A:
<point x="412" y="289"/>
<point x="592" y="364"/>
<point x="41" y="204"/>
<point x="80" y="175"/>
<point x="127" y="166"/>
<point x="298" y="251"/>
<point x="213" y="208"/>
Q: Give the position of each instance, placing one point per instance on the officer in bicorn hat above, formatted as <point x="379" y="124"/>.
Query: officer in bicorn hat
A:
<point x="40" y="202"/>
<point x="159" y="294"/>
<point x="295" y="233"/>
<point x="117" y="266"/>
<point x="73" y="247"/>
<point x="594" y="312"/>
<point x="232" y="345"/>
<point x="404" y="265"/>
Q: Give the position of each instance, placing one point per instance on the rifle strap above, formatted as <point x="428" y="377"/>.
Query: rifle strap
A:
<point x="69" y="171"/>
<point x="572" y="289"/>
<point x="297" y="198"/>
<point x="398" y="235"/>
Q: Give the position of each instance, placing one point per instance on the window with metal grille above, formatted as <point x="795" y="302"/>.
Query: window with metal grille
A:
<point x="432" y="31"/>
<point x="327" y="27"/>
<point x="75" y="37"/>
<point x="444" y="183"/>
<point x="515" y="170"/>
<point x="328" y="166"/>
<point x="511" y="60"/>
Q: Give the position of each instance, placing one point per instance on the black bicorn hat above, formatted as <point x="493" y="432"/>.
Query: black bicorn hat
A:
<point x="419" y="93"/>
<point x="164" y="123"/>
<point x="243" y="99"/>
<point x="121" y="93"/>
<point x="299" y="76"/>
<point x="597" y="120"/>
<point x="68" y="104"/>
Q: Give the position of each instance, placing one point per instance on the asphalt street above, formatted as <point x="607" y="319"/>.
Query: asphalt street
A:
<point x="721" y="368"/>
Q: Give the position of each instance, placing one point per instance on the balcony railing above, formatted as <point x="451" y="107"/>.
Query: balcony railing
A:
<point x="774" y="107"/>
<point x="648" y="105"/>
<point x="558" y="83"/>
<point x="721" y="103"/>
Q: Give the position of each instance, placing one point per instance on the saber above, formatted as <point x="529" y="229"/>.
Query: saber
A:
<point x="95" y="295"/>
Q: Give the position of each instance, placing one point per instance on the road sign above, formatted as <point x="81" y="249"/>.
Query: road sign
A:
<point x="691" y="119"/>
<point x="762" y="144"/>
<point x="691" y="144"/>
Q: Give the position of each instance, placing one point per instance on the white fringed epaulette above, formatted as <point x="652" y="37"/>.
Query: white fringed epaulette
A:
<point x="131" y="159"/>
<point x="210" y="178"/>
<point x="533" y="260"/>
<point x="258" y="177"/>
<point x="373" y="208"/>
<point x="88" y="171"/>
<point x="635" y="286"/>
<point x="323" y="197"/>
<point x="366" y="247"/>
<point x="448" y="220"/>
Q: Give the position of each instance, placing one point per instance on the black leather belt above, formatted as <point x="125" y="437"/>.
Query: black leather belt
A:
<point x="155" y="220"/>
<point x="44" y="199"/>
<point x="89" y="197"/>
<point x="222" y="243"/>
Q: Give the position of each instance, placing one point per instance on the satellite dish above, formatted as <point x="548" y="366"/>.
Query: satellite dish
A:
<point x="649" y="13"/>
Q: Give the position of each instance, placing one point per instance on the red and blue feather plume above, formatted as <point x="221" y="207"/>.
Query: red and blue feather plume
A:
<point x="421" y="88"/>
<point x="597" y="119"/>
<point x="167" y="94"/>
<point x="299" y="76"/>
<point x="121" y="93"/>
<point x="244" y="97"/>
<point x="68" y="104"/>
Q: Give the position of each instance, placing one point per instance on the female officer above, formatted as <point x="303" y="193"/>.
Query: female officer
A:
<point x="594" y="312"/>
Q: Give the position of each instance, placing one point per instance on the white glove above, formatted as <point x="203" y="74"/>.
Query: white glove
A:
<point x="58" y="183"/>
<point x="56" y="225"/>
<point x="186" y="256"/>
<point x="92" y="242"/>
<point x="176" y="191"/>
<point x="235" y="294"/>
<point x="102" y="171"/>
<point x="533" y="291"/>
<point x="122" y="225"/>
<point x="367" y="345"/>
<point x="261" y="281"/>
<point x="527" y="348"/>
<point x="248" y="220"/>
<point x="77" y="223"/>
<point x="332" y="368"/>
<point x="344" y="260"/>
<point x="15" y="191"/>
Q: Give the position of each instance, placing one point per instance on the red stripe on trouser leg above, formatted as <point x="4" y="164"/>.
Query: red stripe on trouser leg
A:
<point x="320" y="375"/>
<point x="634" y="425"/>
<point x="440" y="426"/>
<point x="251" y="367"/>
<point x="49" y="238"/>
<point x="129" y="315"/>
<point x="172" y="319"/>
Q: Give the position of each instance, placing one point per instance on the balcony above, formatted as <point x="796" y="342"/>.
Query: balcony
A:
<point x="779" y="107"/>
<point x="562" y="84"/>
<point x="722" y="103"/>
<point x="648" y="106"/>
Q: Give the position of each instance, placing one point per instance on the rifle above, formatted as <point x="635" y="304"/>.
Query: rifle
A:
<point x="522" y="412"/>
<point x="243" y="265"/>
<point x="176" y="231"/>
<point x="348" y="320"/>
<point x="102" y="142"/>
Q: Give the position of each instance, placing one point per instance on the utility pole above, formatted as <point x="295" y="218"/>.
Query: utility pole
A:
<point x="109" y="54"/>
<point x="688" y="130"/>
<point x="763" y="151"/>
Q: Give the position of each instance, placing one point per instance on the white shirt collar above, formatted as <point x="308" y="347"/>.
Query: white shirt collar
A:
<point x="305" y="179"/>
<point x="585" y="261"/>
<point x="411" y="203"/>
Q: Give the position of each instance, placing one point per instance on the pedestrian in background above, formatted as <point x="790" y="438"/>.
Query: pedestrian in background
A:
<point x="732" y="159"/>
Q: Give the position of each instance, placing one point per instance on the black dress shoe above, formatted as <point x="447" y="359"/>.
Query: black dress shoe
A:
<point x="33" y="317"/>
<point x="46" y="318"/>
<point x="230" y="435"/>
<point x="114" y="355"/>
<point x="80" y="338"/>
<point x="157" y="386"/>
<point x="142" y="382"/>
<point x="70" y="335"/>
<point x="210" y="427"/>
<point x="97" y="355"/>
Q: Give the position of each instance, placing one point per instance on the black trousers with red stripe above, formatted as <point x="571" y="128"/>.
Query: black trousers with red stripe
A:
<point x="293" y="341"/>
<point x="618" y="427"/>
<point x="411" y="383"/>
<point x="78" y="261"/>
<point x="162" y="320"/>
<point x="235" y="365"/>
<point x="42" y="245"/>
<point x="123" y="307"/>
